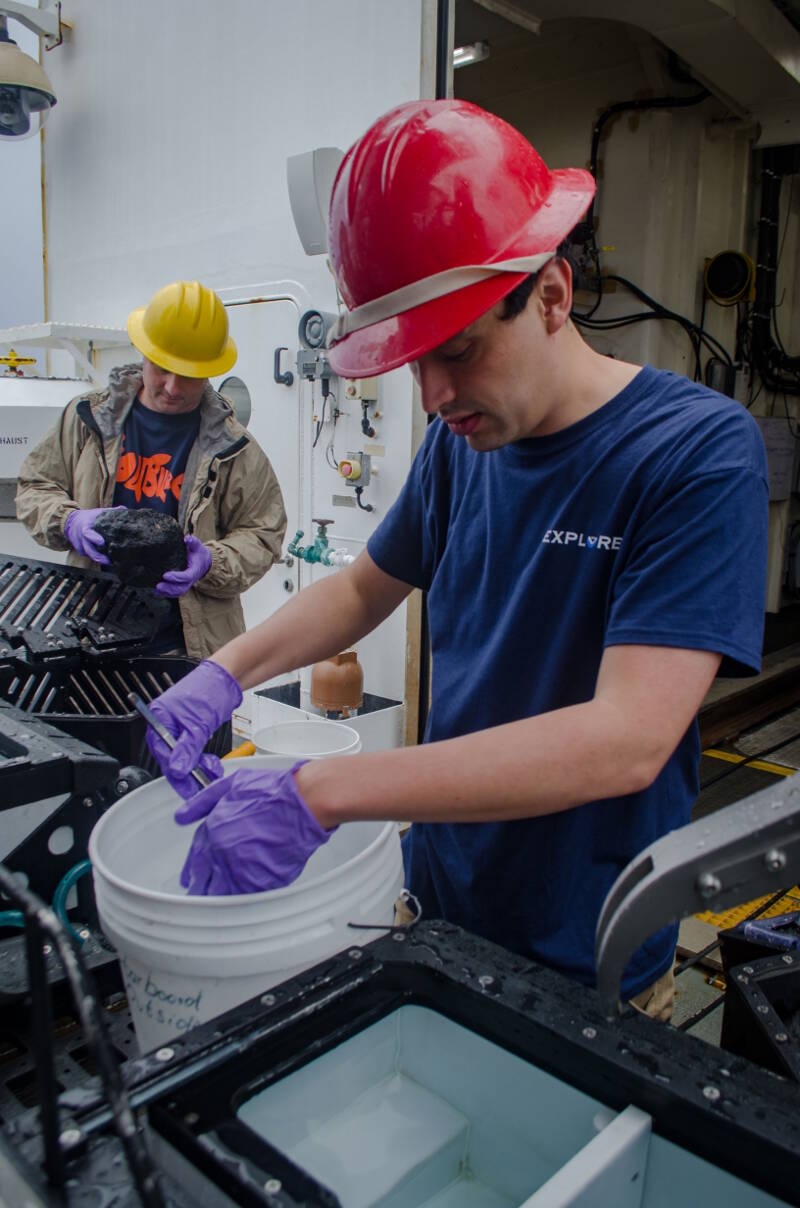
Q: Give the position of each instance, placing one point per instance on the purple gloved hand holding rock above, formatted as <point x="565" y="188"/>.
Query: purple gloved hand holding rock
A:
<point x="198" y="563"/>
<point x="257" y="833"/>
<point x="83" y="537"/>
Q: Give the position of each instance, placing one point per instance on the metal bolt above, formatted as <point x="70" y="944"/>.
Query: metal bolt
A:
<point x="775" y="859"/>
<point x="165" y="1054"/>
<point x="272" y="1186"/>
<point x="787" y="960"/>
<point x="398" y="937"/>
<point x="707" y="885"/>
<point x="589" y="1033"/>
<point x="355" y="954"/>
<point x="711" y="1093"/>
<point x="268" y="1000"/>
<point x="122" y="787"/>
<point x="84" y="933"/>
<point x="747" y="968"/>
<point x="762" y="1010"/>
<point x="288" y="585"/>
<point x="88" y="802"/>
<point x="47" y="949"/>
<point x="485" y="980"/>
<point x="781" y="1037"/>
<point x="70" y="1137"/>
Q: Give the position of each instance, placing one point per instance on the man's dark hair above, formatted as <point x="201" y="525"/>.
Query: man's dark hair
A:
<point x="515" y="302"/>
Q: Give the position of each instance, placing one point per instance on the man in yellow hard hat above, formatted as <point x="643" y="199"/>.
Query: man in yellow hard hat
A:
<point x="161" y="437"/>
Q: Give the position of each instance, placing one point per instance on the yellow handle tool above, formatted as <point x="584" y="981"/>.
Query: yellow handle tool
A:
<point x="246" y="748"/>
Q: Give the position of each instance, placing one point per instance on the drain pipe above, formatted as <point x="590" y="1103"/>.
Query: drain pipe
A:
<point x="442" y="81"/>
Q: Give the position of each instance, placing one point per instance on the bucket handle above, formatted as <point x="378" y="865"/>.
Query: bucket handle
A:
<point x="407" y="913"/>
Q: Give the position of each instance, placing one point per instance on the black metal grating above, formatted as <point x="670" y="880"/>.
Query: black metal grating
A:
<point x="89" y="700"/>
<point x="48" y="610"/>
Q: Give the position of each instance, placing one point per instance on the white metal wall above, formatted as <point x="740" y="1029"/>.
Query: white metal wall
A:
<point x="166" y="158"/>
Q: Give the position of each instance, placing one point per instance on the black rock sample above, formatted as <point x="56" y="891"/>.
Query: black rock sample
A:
<point x="141" y="544"/>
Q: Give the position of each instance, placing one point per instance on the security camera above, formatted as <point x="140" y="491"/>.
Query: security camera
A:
<point x="26" y="94"/>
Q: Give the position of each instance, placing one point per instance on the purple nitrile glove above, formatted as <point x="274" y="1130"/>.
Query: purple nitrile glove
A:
<point x="192" y="710"/>
<point x="258" y="833"/>
<point x="83" y="537"/>
<point x="198" y="563"/>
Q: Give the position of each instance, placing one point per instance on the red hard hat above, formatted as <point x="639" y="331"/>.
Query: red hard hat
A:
<point x="433" y="187"/>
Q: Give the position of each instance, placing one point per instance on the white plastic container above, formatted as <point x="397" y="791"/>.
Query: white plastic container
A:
<point x="308" y="739"/>
<point x="187" y="959"/>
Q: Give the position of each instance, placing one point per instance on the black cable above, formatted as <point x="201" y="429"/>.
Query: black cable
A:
<point x="365" y="507"/>
<point x="587" y="227"/>
<point x="84" y="993"/>
<point x="321" y="421"/>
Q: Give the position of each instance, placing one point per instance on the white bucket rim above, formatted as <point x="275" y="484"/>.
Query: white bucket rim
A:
<point x="355" y="737"/>
<point x="231" y="900"/>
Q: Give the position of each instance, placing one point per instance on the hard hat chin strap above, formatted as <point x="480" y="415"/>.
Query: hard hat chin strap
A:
<point x="428" y="288"/>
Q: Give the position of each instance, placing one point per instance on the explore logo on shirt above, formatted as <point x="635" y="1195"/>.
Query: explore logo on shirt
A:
<point x="568" y="537"/>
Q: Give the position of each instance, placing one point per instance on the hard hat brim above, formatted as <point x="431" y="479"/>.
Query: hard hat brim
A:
<point x="184" y="368"/>
<point x="405" y="337"/>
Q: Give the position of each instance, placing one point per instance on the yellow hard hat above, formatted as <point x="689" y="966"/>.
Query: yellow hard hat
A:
<point x="184" y="329"/>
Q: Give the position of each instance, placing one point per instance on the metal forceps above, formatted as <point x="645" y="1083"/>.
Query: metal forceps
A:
<point x="164" y="734"/>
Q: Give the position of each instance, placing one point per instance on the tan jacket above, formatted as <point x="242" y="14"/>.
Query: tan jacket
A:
<point x="230" y="498"/>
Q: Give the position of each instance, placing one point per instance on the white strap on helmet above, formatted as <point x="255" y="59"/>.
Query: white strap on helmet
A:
<point x="428" y="288"/>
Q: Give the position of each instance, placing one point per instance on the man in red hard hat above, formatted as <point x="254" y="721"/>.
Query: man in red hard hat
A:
<point x="592" y="538"/>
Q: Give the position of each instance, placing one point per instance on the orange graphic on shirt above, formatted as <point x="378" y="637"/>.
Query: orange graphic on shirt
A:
<point x="148" y="476"/>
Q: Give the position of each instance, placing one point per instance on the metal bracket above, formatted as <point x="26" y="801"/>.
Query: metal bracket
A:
<point x="743" y="851"/>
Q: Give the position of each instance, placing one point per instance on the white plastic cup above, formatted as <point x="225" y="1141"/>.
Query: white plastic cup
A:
<point x="184" y="959"/>
<point x="311" y="739"/>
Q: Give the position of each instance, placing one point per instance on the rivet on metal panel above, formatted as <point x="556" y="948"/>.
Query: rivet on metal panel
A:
<point x="781" y="1037"/>
<point x="485" y="980"/>
<point x="398" y="937"/>
<point x="589" y="1033"/>
<point x="712" y="1093"/>
<point x="355" y="954"/>
<point x="775" y="859"/>
<point x="165" y="1054"/>
<point x="88" y="802"/>
<point x="762" y="1009"/>
<point x="272" y="1186"/>
<point x="787" y="960"/>
<point x="708" y="885"/>
<point x="70" y="1136"/>
<point x="268" y="1000"/>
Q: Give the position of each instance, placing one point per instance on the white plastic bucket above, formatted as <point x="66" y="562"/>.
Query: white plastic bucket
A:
<point x="309" y="739"/>
<point x="187" y="959"/>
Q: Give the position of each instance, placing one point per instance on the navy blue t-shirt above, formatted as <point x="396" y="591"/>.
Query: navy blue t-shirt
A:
<point x="644" y="523"/>
<point x="155" y="450"/>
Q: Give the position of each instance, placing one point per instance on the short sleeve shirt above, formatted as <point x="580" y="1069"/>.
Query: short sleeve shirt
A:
<point x="643" y="523"/>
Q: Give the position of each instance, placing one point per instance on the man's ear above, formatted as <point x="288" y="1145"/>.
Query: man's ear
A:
<point x="554" y="290"/>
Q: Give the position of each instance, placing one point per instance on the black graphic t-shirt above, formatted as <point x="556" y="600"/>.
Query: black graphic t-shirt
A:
<point x="155" y="449"/>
